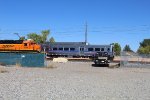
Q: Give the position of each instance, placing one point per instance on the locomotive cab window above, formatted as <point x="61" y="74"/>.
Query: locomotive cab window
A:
<point x="25" y="44"/>
<point x="33" y="43"/>
<point x="90" y="49"/>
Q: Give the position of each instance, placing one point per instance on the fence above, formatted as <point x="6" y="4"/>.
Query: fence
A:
<point x="134" y="59"/>
<point x="24" y="59"/>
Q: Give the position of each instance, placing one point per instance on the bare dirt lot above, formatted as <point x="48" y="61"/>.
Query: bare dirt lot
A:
<point x="75" y="81"/>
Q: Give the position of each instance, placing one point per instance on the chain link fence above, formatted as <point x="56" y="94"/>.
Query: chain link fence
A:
<point x="130" y="59"/>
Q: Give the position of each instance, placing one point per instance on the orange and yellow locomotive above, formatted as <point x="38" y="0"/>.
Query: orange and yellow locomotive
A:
<point x="19" y="46"/>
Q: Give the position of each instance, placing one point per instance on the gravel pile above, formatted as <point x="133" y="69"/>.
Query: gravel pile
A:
<point x="75" y="81"/>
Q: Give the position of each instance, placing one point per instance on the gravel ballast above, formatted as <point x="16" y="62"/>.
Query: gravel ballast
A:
<point x="75" y="81"/>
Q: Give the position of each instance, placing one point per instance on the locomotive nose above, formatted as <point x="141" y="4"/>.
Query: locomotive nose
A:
<point x="39" y="48"/>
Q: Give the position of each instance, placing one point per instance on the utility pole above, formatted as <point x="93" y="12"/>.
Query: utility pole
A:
<point x="86" y="26"/>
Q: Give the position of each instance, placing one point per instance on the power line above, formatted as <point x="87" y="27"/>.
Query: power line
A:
<point x="110" y="29"/>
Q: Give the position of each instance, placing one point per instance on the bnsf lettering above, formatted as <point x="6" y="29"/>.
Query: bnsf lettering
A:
<point x="8" y="46"/>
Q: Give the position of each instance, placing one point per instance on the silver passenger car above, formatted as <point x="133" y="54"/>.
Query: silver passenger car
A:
<point x="76" y="49"/>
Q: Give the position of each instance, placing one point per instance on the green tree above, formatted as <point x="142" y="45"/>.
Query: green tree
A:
<point x="22" y="38"/>
<point x="144" y="47"/>
<point x="117" y="49"/>
<point x="37" y="38"/>
<point x="51" y="40"/>
<point x="40" y="38"/>
<point x="44" y="35"/>
<point x="144" y="50"/>
<point x="127" y="48"/>
<point x="145" y="42"/>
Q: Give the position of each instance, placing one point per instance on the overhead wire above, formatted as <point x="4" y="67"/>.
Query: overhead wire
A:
<point x="69" y="32"/>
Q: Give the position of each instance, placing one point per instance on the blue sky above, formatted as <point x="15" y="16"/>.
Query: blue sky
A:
<point x="109" y="21"/>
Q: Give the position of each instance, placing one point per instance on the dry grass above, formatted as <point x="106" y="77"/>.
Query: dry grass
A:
<point x="18" y="65"/>
<point x="50" y="66"/>
<point x="2" y="64"/>
<point x="3" y="70"/>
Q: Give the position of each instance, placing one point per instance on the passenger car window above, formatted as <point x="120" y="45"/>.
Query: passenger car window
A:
<point x="54" y="48"/>
<point x="90" y="49"/>
<point x="81" y="49"/>
<point x="72" y="49"/>
<point x="97" y="49"/>
<point x="60" y="48"/>
<point x="102" y="49"/>
<point x="66" y="49"/>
